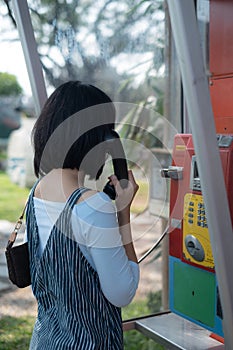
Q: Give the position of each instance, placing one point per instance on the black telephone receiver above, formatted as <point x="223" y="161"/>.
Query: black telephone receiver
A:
<point x="115" y="149"/>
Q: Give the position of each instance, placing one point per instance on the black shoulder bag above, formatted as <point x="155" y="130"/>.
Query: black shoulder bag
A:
<point x="17" y="258"/>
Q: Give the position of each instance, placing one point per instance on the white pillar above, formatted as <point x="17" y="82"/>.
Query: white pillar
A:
<point x="26" y="34"/>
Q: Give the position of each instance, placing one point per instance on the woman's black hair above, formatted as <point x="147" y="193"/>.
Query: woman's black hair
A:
<point x="73" y="124"/>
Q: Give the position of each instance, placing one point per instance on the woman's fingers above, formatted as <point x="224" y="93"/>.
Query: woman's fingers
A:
<point x="115" y="182"/>
<point x="124" y="196"/>
<point x="132" y="181"/>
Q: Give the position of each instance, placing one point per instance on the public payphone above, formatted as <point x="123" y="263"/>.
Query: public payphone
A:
<point x="193" y="288"/>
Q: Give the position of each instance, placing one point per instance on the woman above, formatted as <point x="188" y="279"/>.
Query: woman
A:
<point x="83" y="263"/>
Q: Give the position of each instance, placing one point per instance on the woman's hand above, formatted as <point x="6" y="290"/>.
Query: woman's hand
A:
<point x="124" y="196"/>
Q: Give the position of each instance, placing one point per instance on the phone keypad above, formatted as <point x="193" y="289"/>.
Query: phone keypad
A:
<point x="200" y="220"/>
<point x="195" y="225"/>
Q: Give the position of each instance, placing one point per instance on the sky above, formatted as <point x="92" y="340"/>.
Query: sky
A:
<point x="11" y="52"/>
<point x="12" y="61"/>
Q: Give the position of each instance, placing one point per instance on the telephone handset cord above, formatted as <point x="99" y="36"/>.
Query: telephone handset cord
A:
<point x="154" y="245"/>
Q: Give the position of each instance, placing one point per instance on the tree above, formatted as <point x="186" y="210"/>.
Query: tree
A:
<point x="108" y="43"/>
<point x="117" y="45"/>
<point x="10" y="91"/>
<point x="9" y="85"/>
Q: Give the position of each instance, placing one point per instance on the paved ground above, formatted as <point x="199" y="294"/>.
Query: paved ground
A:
<point x="146" y="230"/>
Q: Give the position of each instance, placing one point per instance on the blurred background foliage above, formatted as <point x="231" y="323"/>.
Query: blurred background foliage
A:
<point x="9" y="85"/>
<point x="118" y="45"/>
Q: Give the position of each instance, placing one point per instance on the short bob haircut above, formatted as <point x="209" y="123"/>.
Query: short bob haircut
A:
<point x="73" y="124"/>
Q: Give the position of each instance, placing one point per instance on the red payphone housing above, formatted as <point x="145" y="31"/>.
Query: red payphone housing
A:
<point x="193" y="285"/>
<point x="193" y="288"/>
<point x="221" y="63"/>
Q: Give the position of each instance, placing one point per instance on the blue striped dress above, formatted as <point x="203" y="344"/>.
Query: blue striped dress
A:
<point x="73" y="313"/>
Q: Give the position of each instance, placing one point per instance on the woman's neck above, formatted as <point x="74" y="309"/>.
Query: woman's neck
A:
<point x="75" y="176"/>
<point x="58" y="184"/>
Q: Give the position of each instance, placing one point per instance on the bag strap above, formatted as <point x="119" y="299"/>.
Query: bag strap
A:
<point x="18" y="225"/>
<point x="19" y="222"/>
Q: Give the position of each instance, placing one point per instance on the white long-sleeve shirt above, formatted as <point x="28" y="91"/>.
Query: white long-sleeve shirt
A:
<point x="96" y="230"/>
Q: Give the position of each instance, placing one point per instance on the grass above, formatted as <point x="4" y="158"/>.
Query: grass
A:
<point x="135" y="309"/>
<point x="134" y="340"/>
<point x="15" y="333"/>
<point x="140" y="202"/>
<point x="12" y="199"/>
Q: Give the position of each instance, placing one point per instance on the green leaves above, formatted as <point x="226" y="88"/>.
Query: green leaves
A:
<point x="9" y="85"/>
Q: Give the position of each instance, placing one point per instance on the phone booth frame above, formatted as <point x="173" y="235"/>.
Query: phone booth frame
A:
<point x="168" y="328"/>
